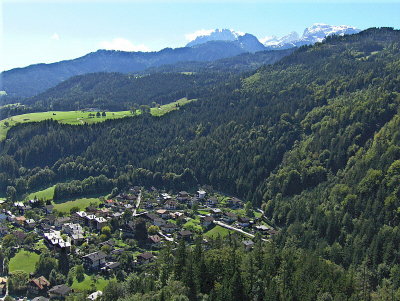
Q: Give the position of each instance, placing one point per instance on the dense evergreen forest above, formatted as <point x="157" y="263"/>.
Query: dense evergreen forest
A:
<point x="313" y="140"/>
<point x="244" y="62"/>
<point x="117" y="91"/>
<point x="226" y="271"/>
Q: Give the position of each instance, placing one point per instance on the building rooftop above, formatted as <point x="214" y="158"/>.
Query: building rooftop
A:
<point x="95" y="256"/>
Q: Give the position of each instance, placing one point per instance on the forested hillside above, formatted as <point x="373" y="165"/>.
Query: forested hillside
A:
<point x="34" y="79"/>
<point x="244" y="62"/>
<point x="313" y="139"/>
<point x="119" y="91"/>
<point x="116" y="91"/>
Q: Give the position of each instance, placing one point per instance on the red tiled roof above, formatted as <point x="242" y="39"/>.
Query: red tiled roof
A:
<point x="41" y="282"/>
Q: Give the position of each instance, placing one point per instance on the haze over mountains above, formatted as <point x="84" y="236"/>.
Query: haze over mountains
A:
<point x="218" y="44"/>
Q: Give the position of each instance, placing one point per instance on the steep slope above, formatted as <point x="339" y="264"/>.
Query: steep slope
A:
<point x="313" y="139"/>
<point x="116" y="91"/>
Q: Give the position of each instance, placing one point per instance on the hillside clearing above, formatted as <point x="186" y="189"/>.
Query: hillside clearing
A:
<point x="46" y="194"/>
<point x="81" y="117"/>
<point x="81" y="203"/>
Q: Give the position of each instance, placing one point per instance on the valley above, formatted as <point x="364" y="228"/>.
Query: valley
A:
<point x="272" y="176"/>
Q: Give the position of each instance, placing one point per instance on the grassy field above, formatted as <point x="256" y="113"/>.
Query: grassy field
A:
<point x="80" y="203"/>
<point x="242" y="212"/>
<point x="193" y="224"/>
<point x="23" y="261"/>
<point x="66" y="205"/>
<point x="87" y="282"/>
<point x="170" y="107"/>
<point x="68" y="117"/>
<point x="80" y="117"/>
<point x="46" y="194"/>
<point x="213" y="233"/>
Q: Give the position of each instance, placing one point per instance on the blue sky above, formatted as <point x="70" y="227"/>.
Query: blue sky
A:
<point x="49" y="31"/>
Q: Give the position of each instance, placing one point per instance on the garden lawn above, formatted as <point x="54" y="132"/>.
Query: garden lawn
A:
<point x="87" y="282"/>
<point x="23" y="261"/>
<point x="213" y="233"/>
<point x="80" y="203"/>
<point x="193" y="224"/>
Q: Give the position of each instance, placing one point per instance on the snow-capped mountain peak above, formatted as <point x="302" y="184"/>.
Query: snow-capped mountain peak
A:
<point x="318" y="31"/>
<point x="313" y="34"/>
<point x="275" y="41"/>
<point x="269" y="40"/>
<point x="215" y="35"/>
<point x="247" y="42"/>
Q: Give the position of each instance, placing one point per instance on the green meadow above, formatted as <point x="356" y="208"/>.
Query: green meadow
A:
<point x="81" y="117"/>
<point x="46" y="194"/>
<point x="217" y="230"/>
<point x="23" y="261"/>
<point x="81" y="203"/>
<point x="65" y="205"/>
<point x="98" y="282"/>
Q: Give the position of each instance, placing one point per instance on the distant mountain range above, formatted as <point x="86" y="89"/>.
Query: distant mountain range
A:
<point x="313" y="34"/>
<point x="219" y="44"/>
<point x="34" y="79"/>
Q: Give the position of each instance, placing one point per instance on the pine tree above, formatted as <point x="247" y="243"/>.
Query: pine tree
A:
<point x="180" y="260"/>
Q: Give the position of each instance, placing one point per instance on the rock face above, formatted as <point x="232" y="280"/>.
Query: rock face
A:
<point x="216" y="35"/>
<point x="245" y="41"/>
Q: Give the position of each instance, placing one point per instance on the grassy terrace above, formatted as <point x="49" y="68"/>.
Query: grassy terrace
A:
<point x="23" y="261"/>
<point x="217" y="230"/>
<point x="80" y="117"/>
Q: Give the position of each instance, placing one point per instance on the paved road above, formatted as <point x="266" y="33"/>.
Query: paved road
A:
<point x="137" y="203"/>
<point x="236" y="229"/>
<point x="165" y="236"/>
